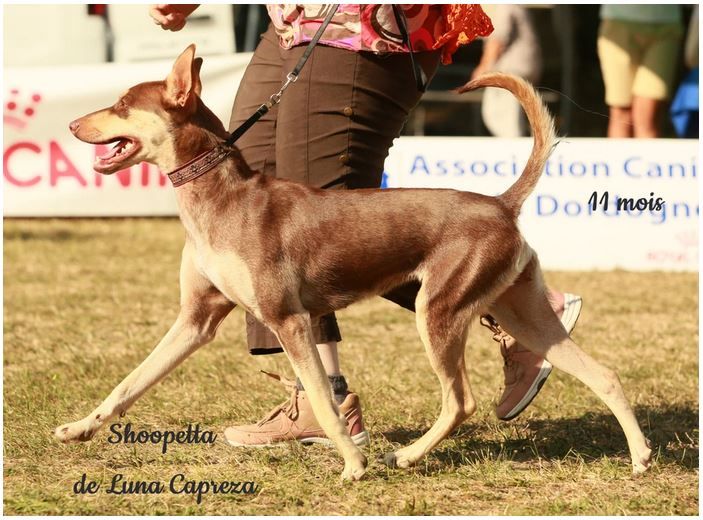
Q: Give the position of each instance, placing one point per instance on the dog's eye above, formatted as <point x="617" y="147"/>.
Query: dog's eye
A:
<point x="121" y="106"/>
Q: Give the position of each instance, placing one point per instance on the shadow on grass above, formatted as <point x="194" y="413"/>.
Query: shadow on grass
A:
<point x="50" y="235"/>
<point x="673" y="432"/>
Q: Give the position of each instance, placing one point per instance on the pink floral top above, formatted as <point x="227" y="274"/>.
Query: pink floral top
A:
<point x="358" y="27"/>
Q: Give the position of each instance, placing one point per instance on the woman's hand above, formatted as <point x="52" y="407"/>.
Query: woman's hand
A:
<point x="171" y="17"/>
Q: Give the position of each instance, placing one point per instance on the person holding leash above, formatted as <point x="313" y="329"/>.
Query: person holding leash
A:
<point x="332" y="129"/>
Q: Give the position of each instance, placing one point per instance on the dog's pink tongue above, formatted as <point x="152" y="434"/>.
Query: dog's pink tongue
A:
<point x="112" y="152"/>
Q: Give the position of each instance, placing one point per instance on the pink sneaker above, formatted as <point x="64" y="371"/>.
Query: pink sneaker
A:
<point x="294" y="420"/>
<point x="525" y="372"/>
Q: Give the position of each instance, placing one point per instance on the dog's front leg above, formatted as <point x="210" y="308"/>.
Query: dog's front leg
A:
<point x="203" y="307"/>
<point x="295" y="335"/>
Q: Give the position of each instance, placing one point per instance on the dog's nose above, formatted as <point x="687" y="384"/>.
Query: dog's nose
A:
<point x="74" y="126"/>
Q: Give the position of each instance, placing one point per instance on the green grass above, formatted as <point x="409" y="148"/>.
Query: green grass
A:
<point x="86" y="300"/>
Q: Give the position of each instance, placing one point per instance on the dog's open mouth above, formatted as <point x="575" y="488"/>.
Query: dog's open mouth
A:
<point x="123" y="149"/>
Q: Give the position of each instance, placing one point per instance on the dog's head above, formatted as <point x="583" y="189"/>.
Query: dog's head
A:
<point x="144" y="121"/>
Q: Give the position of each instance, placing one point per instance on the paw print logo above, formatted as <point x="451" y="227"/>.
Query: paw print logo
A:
<point x="19" y="110"/>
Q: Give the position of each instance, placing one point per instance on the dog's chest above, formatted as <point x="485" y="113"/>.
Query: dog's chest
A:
<point x="230" y="274"/>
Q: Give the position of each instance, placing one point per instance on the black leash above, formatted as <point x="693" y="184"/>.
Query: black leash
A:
<point x="207" y="160"/>
<point x="291" y="78"/>
<point x="402" y="22"/>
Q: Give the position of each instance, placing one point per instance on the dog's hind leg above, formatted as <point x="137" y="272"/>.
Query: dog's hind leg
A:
<point x="443" y="334"/>
<point x="296" y="337"/>
<point x="203" y="307"/>
<point x="524" y="312"/>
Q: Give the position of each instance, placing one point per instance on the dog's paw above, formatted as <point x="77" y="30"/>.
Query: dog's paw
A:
<point x="351" y="474"/>
<point x="396" y="459"/>
<point x="354" y="470"/>
<point x="77" y="431"/>
<point x="642" y="461"/>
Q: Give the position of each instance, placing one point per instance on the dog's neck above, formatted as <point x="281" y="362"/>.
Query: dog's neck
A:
<point x="200" y="133"/>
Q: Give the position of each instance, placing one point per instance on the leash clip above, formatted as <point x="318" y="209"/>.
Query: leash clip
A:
<point x="276" y="98"/>
<point x="292" y="77"/>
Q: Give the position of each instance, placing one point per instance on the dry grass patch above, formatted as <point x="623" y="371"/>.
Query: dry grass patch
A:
<point x="86" y="300"/>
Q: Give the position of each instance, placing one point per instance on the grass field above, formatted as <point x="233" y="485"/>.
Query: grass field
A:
<point x="85" y="301"/>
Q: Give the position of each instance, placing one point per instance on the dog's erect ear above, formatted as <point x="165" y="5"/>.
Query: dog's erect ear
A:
<point x="183" y="81"/>
<point x="197" y="85"/>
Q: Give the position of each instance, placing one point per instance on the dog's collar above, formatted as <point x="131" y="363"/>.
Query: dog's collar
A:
<point x="199" y="165"/>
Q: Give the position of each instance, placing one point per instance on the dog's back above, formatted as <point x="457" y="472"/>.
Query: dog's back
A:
<point x="344" y="245"/>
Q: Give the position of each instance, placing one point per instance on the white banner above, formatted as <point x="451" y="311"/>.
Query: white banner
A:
<point x="48" y="172"/>
<point x="559" y="222"/>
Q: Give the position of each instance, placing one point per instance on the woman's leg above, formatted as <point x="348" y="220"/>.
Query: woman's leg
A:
<point x="340" y="119"/>
<point x="262" y="78"/>
<point x="333" y="128"/>
<point x="293" y="419"/>
<point x="330" y="357"/>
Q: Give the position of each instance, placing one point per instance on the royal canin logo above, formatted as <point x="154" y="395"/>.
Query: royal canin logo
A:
<point x="19" y="110"/>
<point x="30" y="162"/>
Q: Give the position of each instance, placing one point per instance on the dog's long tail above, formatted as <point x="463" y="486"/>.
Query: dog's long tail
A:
<point x="542" y="129"/>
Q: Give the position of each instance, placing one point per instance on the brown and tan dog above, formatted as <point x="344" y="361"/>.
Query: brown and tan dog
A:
<point x="275" y="248"/>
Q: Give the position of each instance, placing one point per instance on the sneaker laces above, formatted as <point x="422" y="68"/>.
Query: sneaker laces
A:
<point x="289" y="407"/>
<point x="499" y="336"/>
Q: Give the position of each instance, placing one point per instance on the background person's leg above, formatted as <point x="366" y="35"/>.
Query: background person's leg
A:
<point x="645" y="117"/>
<point x="655" y="76"/>
<point x="620" y="122"/>
<point x="619" y="58"/>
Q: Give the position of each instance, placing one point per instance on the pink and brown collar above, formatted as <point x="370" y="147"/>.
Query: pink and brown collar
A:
<point x="199" y="165"/>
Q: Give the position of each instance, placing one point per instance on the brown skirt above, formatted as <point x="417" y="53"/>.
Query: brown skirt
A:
<point x="332" y="129"/>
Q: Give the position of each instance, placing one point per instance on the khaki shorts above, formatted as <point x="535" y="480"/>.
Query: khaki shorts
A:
<point x="638" y="59"/>
<point x="332" y="129"/>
